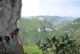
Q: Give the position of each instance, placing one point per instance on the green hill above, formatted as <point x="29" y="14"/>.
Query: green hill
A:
<point x="29" y="34"/>
<point x="73" y="28"/>
<point x="55" y="22"/>
<point x="30" y="25"/>
<point x="28" y="31"/>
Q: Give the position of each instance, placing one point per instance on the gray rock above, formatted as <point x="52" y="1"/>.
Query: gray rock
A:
<point x="10" y="12"/>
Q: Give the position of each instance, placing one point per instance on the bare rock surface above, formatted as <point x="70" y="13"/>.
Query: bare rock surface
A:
<point x="10" y="12"/>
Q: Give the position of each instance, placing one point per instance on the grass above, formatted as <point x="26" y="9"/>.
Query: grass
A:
<point x="32" y="50"/>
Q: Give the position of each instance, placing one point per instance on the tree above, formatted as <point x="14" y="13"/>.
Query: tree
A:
<point x="10" y="12"/>
<point x="62" y="45"/>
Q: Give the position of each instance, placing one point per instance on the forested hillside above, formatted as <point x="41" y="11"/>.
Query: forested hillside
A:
<point x="55" y="22"/>
<point x="73" y="27"/>
<point x="32" y="31"/>
<point x="29" y="31"/>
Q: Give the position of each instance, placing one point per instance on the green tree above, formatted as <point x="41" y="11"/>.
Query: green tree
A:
<point x="62" y="45"/>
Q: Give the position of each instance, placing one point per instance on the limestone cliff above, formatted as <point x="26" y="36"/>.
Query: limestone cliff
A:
<point x="10" y="12"/>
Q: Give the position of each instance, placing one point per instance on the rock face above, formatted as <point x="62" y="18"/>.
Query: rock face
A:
<point x="10" y="12"/>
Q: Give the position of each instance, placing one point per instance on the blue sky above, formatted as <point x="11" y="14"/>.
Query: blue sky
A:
<point x="69" y="8"/>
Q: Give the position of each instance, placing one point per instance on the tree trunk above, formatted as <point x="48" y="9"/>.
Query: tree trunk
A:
<point x="10" y="12"/>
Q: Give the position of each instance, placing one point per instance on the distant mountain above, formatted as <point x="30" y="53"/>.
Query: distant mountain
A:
<point x="54" y="22"/>
<point x="73" y="27"/>
<point x="29" y="28"/>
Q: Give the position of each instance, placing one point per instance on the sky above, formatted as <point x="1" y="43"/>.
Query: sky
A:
<point x="70" y="8"/>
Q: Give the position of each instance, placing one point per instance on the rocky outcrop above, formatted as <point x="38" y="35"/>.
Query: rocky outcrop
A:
<point x="10" y="12"/>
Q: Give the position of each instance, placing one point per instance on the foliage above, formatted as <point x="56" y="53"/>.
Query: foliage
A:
<point x="62" y="45"/>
